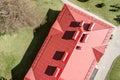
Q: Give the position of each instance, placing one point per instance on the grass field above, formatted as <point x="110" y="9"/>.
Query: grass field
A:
<point x="101" y="12"/>
<point x="13" y="47"/>
<point x="114" y="73"/>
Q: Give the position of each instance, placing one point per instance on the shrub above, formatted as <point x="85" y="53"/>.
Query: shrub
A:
<point x="117" y="19"/>
<point x="100" y="5"/>
<point x="116" y="6"/>
<point x="111" y="36"/>
<point x="114" y="10"/>
<point x="112" y="5"/>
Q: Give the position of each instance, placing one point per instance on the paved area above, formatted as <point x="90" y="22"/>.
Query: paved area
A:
<point x="112" y="51"/>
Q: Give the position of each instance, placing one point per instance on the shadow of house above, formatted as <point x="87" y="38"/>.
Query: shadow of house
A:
<point x="40" y="33"/>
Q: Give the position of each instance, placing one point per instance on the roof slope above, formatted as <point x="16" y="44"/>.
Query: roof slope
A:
<point x="70" y="47"/>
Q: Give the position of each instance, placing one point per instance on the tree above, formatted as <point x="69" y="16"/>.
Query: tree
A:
<point x="100" y="5"/>
<point x="16" y="13"/>
<point x="115" y="8"/>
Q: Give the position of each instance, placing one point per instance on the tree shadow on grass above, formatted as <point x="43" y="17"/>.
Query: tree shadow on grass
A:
<point x="40" y="34"/>
<point x="83" y="0"/>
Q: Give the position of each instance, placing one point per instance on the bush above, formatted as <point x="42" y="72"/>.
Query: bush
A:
<point x="117" y="19"/>
<point x="114" y="10"/>
<point x="100" y="5"/>
<point x="115" y="7"/>
<point x="16" y="13"/>
<point x="112" y="6"/>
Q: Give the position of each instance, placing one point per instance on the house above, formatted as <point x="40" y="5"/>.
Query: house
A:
<point x="72" y="49"/>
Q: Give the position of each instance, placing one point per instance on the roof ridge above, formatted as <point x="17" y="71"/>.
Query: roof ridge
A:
<point x="56" y="28"/>
<point x="100" y="48"/>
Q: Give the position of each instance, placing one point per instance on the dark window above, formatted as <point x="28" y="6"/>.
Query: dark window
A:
<point x="50" y="70"/>
<point x="91" y="26"/>
<point x="68" y="35"/>
<point x="82" y="37"/>
<point x="75" y="24"/>
<point x="58" y="55"/>
<point x="86" y="26"/>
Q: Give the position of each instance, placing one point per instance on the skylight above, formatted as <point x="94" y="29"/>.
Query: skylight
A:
<point x="75" y="24"/>
<point x="84" y="38"/>
<point x="71" y="35"/>
<point x="68" y="35"/>
<point x="58" y="55"/>
<point x="50" y="70"/>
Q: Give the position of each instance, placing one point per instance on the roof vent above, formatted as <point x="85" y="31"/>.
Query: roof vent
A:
<point x="91" y="26"/>
<point x="78" y="47"/>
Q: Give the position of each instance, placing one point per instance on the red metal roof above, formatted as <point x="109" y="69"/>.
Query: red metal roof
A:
<point x="74" y="45"/>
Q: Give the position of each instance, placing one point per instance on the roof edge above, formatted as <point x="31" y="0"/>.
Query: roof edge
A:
<point x="30" y="75"/>
<point x="90" y="14"/>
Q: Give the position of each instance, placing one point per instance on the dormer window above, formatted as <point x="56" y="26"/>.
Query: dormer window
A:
<point x="68" y="35"/>
<point x="86" y="26"/>
<point x="91" y="26"/>
<point x="75" y="24"/>
<point x="84" y="38"/>
<point x="52" y="71"/>
<point x="59" y="55"/>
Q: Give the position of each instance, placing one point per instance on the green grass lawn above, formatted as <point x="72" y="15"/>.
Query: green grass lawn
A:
<point x="101" y="12"/>
<point x="13" y="47"/>
<point x="114" y="73"/>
